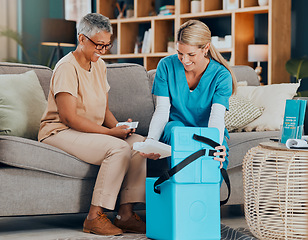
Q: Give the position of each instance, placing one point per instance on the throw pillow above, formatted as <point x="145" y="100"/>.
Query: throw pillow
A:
<point x="22" y="104"/>
<point x="241" y="112"/>
<point x="273" y="99"/>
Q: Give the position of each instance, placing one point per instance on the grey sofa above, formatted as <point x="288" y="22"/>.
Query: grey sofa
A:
<point x="36" y="178"/>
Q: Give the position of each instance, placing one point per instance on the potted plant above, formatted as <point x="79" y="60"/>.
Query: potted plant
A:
<point x="298" y="68"/>
<point x="11" y="34"/>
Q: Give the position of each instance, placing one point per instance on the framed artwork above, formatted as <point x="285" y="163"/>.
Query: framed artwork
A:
<point x="230" y="4"/>
<point x="76" y="9"/>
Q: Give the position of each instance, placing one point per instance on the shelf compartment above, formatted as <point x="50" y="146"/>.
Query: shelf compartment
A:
<point x="163" y="32"/>
<point x="244" y="35"/>
<point x="219" y="25"/>
<point x="106" y="8"/>
<point x="151" y="62"/>
<point x="211" y="5"/>
<point x="184" y="6"/>
<point x="144" y="7"/>
<point x="130" y="31"/>
<point x="249" y="3"/>
<point x="206" y="6"/>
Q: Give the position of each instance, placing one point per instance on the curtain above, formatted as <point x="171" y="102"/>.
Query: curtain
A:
<point x="8" y="21"/>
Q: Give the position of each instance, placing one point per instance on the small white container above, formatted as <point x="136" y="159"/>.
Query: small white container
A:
<point x="171" y="47"/>
<point x="263" y="2"/>
<point x="195" y="6"/>
<point x="129" y="13"/>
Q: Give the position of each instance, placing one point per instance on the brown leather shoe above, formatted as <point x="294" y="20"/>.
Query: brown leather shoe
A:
<point x="134" y="224"/>
<point x="101" y="225"/>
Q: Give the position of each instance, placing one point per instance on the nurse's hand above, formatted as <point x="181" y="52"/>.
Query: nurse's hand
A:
<point x="153" y="156"/>
<point x="221" y="154"/>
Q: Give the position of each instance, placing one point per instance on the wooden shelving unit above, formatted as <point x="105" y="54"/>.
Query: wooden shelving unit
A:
<point x="239" y="23"/>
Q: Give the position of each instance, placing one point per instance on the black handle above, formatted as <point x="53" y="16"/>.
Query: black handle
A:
<point x="166" y="175"/>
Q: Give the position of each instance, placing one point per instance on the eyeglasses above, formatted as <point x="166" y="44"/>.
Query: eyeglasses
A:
<point x="100" y="46"/>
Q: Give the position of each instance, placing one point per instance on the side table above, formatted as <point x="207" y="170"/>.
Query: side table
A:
<point x="275" y="181"/>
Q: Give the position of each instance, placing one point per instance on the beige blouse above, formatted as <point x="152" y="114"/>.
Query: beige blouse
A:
<point x="89" y="87"/>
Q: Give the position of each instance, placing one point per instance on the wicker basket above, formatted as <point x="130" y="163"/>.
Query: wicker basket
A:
<point x="276" y="192"/>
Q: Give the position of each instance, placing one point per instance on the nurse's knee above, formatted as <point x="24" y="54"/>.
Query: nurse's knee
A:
<point x="173" y="124"/>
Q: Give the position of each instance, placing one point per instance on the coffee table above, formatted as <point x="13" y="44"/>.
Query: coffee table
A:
<point x="275" y="181"/>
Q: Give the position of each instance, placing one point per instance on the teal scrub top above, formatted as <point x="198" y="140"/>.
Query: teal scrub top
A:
<point x="192" y="108"/>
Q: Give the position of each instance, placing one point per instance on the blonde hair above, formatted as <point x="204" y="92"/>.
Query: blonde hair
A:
<point x="196" y="33"/>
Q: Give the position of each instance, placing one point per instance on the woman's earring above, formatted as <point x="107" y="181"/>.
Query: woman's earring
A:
<point x="206" y="54"/>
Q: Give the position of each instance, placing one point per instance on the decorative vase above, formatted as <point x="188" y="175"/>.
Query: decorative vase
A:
<point x="171" y="47"/>
<point x="263" y="2"/>
<point x="129" y="13"/>
<point x="195" y="6"/>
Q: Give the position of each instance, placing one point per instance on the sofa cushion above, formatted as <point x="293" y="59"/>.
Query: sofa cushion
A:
<point x="30" y="154"/>
<point x="22" y="104"/>
<point x="130" y="95"/>
<point x="241" y="112"/>
<point x="43" y="73"/>
<point x="273" y="99"/>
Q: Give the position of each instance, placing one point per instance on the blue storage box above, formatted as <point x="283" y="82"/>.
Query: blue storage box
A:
<point x="204" y="169"/>
<point x="188" y="205"/>
<point x="183" y="211"/>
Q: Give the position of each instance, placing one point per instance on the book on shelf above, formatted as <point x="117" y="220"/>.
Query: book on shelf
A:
<point x="165" y="12"/>
<point x="293" y="121"/>
<point x="147" y="41"/>
<point x="165" y="7"/>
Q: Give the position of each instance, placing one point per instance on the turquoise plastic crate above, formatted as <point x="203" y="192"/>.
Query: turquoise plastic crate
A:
<point x="204" y="169"/>
<point x="183" y="211"/>
<point x="188" y="205"/>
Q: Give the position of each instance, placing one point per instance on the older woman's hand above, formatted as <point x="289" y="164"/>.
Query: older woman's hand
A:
<point x="220" y="155"/>
<point x="131" y="130"/>
<point x="153" y="156"/>
<point x="120" y="132"/>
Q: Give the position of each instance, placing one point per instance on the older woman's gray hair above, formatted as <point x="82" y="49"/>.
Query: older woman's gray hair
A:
<point x="93" y="23"/>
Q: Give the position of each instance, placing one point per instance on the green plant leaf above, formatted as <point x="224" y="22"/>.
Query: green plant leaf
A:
<point x="302" y="93"/>
<point x="298" y="67"/>
<point x="11" y="34"/>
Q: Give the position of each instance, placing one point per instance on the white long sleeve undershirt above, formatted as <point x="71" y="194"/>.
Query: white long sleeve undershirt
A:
<point x="161" y="117"/>
<point x="217" y="119"/>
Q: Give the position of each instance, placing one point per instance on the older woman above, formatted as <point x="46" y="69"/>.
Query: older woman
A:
<point x="78" y="121"/>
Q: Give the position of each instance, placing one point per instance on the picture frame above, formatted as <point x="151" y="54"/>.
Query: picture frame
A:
<point x="76" y="9"/>
<point x="230" y="4"/>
